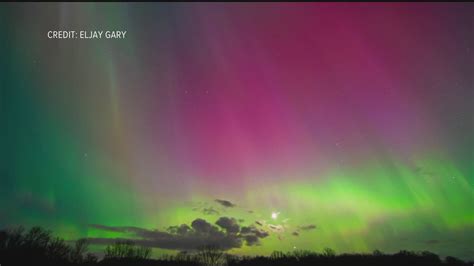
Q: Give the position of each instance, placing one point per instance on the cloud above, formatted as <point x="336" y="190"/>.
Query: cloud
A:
<point x="206" y="210"/>
<point x="307" y="227"/>
<point x="251" y="240"/>
<point x="253" y="230"/>
<point x="252" y="235"/>
<point x="300" y="228"/>
<point x="276" y="228"/>
<point x="125" y="229"/>
<point x="229" y="224"/>
<point x="210" y="211"/>
<point x="225" y="234"/>
<point x="225" y="203"/>
<point x="179" y="230"/>
<point x="201" y="226"/>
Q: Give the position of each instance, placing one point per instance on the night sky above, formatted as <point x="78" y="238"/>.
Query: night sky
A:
<point x="257" y="127"/>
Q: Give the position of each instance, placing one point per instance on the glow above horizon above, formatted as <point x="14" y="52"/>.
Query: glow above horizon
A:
<point x="333" y="125"/>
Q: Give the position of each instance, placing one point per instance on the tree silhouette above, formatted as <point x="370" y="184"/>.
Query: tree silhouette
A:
<point x="37" y="246"/>
<point x="127" y="250"/>
<point x="211" y="256"/>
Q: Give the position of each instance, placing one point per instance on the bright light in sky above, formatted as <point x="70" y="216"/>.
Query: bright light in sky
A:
<point x="275" y="215"/>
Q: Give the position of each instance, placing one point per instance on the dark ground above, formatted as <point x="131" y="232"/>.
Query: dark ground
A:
<point x="38" y="247"/>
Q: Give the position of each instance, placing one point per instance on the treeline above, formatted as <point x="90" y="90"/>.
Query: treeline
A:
<point x="38" y="247"/>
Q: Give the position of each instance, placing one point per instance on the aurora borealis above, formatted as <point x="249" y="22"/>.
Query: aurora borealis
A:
<point x="310" y="125"/>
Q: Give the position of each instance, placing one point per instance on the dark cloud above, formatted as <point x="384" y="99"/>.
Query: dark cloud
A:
<point x="252" y="235"/>
<point x="124" y="229"/>
<point x="179" y="230"/>
<point x="260" y="233"/>
<point x="225" y="203"/>
<point x="251" y="240"/>
<point x="201" y="226"/>
<point x="300" y="228"/>
<point x="206" y="210"/>
<point x="229" y="224"/>
<point x="210" y="211"/>
<point x="433" y="242"/>
<point x="226" y="235"/>
<point x="108" y="228"/>
<point x="245" y="230"/>
<point x="307" y="227"/>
